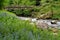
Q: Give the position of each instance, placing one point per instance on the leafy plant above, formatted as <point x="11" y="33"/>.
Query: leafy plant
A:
<point x="3" y="3"/>
<point x="12" y="28"/>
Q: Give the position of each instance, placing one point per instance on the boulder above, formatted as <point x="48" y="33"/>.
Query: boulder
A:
<point x="54" y="22"/>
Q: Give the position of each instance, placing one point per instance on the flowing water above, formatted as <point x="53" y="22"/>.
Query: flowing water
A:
<point x="41" y="20"/>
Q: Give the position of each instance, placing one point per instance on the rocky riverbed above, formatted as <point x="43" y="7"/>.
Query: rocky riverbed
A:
<point x="42" y="23"/>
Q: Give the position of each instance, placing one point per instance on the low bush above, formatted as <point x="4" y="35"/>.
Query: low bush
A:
<point x="12" y="28"/>
<point x="21" y="12"/>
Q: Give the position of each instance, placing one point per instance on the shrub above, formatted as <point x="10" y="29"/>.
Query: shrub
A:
<point x="27" y="12"/>
<point x="12" y="28"/>
<point x="21" y="12"/>
<point x="7" y="20"/>
<point x="3" y="3"/>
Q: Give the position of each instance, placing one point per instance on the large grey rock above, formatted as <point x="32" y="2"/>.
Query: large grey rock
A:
<point x="54" y="22"/>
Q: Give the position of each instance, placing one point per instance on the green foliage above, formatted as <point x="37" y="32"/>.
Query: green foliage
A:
<point x="27" y="12"/>
<point x="12" y="28"/>
<point x="46" y="6"/>
<point x="3" y="3"/>
<point x="22" y="2"/>
<point x="21" y="12"/>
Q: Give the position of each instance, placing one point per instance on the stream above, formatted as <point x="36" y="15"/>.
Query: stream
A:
<point x="41" y="20"/>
